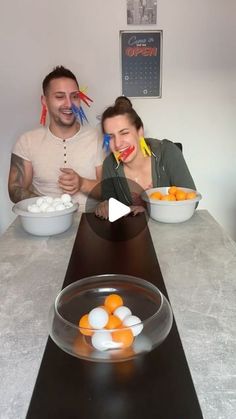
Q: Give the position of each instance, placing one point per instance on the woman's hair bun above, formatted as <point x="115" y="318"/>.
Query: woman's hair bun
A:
<point x="123" y="102"/>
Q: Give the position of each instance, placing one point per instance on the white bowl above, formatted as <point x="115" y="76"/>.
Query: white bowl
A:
<point x="44" y="223"/>
<point x="170" y="211"/>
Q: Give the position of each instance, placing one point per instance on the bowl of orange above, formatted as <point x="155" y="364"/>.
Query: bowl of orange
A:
<point x="171" y="204"/>
<point x="110" y="318"/>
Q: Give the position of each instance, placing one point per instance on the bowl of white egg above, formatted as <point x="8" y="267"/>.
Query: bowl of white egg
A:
<point x="44" y="215"/>
<point x="110" y="318"/>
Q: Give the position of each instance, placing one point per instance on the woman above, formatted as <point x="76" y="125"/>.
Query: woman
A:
<point x="136" y="164"/>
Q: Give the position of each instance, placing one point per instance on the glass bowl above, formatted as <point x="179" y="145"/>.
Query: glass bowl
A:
<point x="122" y="343"/>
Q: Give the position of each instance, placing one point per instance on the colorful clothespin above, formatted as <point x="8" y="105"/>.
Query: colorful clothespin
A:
<point x="116" y="155"/>
<point x="124" y="154"/>
<point x="84" y="98"/>
<point x="79" y="113"/>
<point x="82" y="115"/>
<point x="106" y="142"/>
<point x="43" y="115"/>
<point x="144" y="147"/>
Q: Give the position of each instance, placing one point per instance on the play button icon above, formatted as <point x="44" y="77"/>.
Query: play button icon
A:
<point x="116" y="210"/>
<point x="119" y="223"/>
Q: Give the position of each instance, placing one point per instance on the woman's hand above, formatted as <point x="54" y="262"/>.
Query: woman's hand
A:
<point x="136" y="209"/>
<point x="101" y="210"/>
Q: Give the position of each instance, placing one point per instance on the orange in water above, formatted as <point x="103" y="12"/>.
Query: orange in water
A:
<point x="113" y="301"/>
<point x="113" y="323"/>
<point x="172" y="197"/>
<point x="81" y="347"/>
<point x="124" y="336"/>
<point x="191" y="195"/>
<point x="156" y="195"/>
<point x="84" y="326"/>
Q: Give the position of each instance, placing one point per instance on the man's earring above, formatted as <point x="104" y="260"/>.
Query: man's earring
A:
<point x="43" y="115"/>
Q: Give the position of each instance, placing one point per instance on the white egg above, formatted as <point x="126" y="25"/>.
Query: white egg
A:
<point x="39" y="201"/>
<point x="57" y="201"/>
<point x="33" y="208"/>
<point x="50" y="209"/>
<point x="48" y="199"/>
<point x="102" y="340"/>
<point x="43" y="206"/>
<point x="98" y="318"/>
<point x="136" y="324"/>
<point x="68" y="204"/>
<point x="122" y="312"/>
<point x="59" y="207"/>
<point x="65" y="197"/>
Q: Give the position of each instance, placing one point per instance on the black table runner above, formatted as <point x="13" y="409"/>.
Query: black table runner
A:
<point x="157" y="385"/>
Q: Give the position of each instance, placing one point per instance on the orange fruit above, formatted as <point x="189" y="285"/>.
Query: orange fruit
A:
<point x="81" y="347"/>
<point x="180" y="195"/>
<point x="172" y="197"/>
<point x="113" y="301"/>
<point x="124" y="336"/>
<point x="172" y="190"/>
<point x="113" y="323"/>
<point x="191" y="195"/>
<point x="165" y="198"/>
<point x="156" y="195"/>
<point x="84" y="326"/>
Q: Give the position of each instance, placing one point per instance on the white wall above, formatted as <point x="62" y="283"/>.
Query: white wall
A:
<point x="199" y="70"/>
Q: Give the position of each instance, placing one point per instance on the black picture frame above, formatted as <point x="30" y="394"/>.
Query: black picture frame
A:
<point x="141" y="59"/>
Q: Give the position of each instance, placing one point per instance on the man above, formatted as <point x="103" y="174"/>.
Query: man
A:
<point x="66" y="157"/>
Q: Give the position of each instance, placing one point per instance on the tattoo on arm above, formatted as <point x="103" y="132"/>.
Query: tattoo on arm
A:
<point x="17" y="189"/>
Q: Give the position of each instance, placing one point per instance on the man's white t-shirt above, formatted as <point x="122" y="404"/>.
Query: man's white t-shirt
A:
<point x="48" y="153"/>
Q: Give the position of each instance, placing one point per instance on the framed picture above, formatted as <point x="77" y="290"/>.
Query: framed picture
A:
<point x="141" y="12"/>
<point x="141" y="57"/>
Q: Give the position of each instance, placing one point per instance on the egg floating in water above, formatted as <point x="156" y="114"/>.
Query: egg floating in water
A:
<point x="102" y="341"/>
<point x="135" y="323"/>
<point x="122" y="312"/>
<point x="110" y="326"/>
<point x="49" y="204"/>
<point x="98" y="318"/>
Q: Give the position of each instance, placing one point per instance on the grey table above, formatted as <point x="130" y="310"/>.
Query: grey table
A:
<point x="198" y="263"/>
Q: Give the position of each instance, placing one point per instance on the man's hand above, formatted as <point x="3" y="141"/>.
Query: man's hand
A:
<point x="101" y="210"/>
<point x="70" y="182"/>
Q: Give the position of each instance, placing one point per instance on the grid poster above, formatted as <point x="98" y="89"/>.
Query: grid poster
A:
<point x="141" y="63"/>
